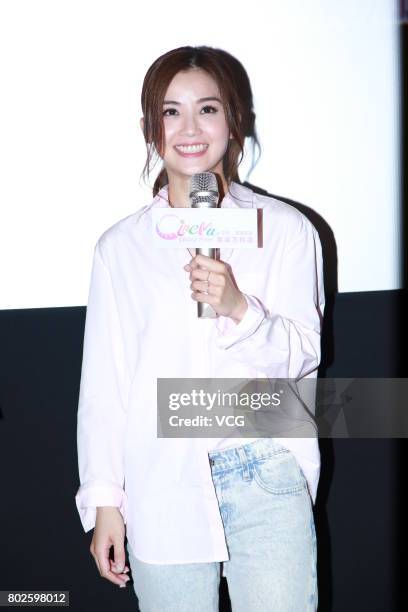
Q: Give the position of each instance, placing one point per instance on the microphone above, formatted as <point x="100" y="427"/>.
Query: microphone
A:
<point x="204" y="194"/>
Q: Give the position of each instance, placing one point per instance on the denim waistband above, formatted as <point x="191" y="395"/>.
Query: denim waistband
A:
<point x="234" y="457"/>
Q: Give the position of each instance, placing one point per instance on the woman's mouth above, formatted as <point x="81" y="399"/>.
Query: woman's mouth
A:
<point x="191" y="150"/>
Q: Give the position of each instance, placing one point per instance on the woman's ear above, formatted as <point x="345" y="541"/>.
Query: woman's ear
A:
<point x="142" y="124"/>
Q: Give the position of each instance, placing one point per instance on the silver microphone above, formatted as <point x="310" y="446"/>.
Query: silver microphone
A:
<point x="204" y="194"/>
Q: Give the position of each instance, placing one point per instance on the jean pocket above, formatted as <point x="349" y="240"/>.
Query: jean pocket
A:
<point x="279" y="474"/>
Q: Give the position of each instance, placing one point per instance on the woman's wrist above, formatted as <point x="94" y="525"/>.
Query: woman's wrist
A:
<point x="238" y="314"/>
<point x="106" y="508"/>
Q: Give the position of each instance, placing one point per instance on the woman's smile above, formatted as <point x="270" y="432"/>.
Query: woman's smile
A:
<point x="191" y="150"/>
<point x="196" y="131"/>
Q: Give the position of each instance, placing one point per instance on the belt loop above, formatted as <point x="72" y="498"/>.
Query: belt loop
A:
<point x="244" y="463"/>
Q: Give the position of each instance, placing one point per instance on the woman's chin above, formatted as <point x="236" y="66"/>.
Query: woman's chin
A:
<point x="192" y="168"/>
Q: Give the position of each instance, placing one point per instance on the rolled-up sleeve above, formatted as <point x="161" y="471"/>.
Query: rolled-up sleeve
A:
<point x="285" y="342"/>
<point x="101" y="419"/>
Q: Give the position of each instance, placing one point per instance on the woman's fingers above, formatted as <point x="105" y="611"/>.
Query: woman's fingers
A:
<point x="96" y="561"/>
<point x="119" y="564"/>
<point x="202" y="261"/>
<point x="213" y="278"/>
<point x="109" y="530"/>
<point x="119" y="553"/>
<point x="121" y="575"/>
<point x="212" y="282"/>
<point x="103" y="562"/>
<point x="113" y="567"/>
<point x="198" y="285"/>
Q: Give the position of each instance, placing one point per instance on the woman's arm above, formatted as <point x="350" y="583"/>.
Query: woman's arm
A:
<point x="283" y="342"/>
<point x="102" y="401"/>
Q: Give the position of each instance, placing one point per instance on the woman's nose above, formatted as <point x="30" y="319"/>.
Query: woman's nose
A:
<point x="191" y="125"/>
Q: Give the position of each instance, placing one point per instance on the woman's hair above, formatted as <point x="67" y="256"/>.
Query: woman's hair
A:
<point x="236" y="97"/>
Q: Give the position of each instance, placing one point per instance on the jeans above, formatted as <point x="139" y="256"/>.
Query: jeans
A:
<point x="269" y="528"/>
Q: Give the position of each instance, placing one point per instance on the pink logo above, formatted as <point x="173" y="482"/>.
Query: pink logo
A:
<point x="171" y="227"/>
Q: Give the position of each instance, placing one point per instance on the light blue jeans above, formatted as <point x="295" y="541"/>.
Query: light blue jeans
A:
<point x="269" y="528"/>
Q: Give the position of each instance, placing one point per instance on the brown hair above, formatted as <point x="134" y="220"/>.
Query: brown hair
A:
<point x="222" y="67"/>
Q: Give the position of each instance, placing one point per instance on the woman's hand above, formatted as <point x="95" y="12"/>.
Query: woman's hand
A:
<point x="214" y="277"/>
<point x="110" y="531"/>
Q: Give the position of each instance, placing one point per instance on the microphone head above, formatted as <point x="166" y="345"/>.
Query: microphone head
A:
<point x="204" y="190"/>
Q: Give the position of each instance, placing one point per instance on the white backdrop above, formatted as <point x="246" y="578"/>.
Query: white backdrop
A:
<point x="325" y="81"/>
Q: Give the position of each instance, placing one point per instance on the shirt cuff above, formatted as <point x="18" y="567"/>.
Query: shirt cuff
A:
<point x="91" y="496"/>
<point x="229" y="332"/>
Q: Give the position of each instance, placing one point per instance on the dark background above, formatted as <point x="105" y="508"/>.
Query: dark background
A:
<point x="359" y="513"/>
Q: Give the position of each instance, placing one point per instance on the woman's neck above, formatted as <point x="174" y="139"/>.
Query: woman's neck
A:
<point x="178" y="193"/>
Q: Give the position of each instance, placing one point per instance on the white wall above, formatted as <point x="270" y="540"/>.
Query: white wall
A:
<point x="324" y="76"/>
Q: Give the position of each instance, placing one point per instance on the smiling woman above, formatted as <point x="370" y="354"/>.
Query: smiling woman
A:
<point x="192" y="503"/>
<point x="198" y="118"/>
<point x="196" y="134"/>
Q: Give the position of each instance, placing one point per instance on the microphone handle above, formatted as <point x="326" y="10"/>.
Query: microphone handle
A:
<point x="206" y="311"/>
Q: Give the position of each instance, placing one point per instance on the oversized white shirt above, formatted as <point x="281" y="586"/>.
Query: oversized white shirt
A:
<point x="141" y="324"/>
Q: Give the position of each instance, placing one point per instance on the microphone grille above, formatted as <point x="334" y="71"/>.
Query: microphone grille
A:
<point x="204" y="189"/>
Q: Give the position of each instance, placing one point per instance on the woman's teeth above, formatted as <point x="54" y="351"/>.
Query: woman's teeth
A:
<point x="191" y="148"/>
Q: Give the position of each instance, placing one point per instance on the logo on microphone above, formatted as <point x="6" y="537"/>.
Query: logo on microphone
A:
<point x="171" y="227"/>
<point x="204" y="228"/>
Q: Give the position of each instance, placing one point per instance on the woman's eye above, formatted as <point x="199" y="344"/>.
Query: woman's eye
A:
<point x="170" y="111"/>
<point x="210" y="109"/>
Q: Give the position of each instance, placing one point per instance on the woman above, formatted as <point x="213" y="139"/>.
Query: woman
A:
<point x="191" y="503"/>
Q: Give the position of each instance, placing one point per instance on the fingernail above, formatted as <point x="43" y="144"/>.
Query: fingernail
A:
<point x="122" y="586"/>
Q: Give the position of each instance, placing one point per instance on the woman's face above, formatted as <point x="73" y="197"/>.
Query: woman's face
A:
<point x="195" y="128"/>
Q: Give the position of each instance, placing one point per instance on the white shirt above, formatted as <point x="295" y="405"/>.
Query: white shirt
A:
<point x="141" y="324"/>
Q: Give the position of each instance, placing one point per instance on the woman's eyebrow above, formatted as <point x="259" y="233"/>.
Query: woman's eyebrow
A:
<point x="208" y="98"/>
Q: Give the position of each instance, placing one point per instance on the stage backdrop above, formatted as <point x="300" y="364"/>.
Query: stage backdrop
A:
<point x="325" y="81"/>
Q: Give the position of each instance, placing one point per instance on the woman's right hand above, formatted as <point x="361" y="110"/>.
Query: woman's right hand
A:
<point x="110" y="531"/>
